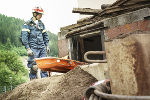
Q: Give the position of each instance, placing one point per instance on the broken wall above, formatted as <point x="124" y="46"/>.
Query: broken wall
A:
<point x="128" y="52"/>
<point x="63" y="44"/>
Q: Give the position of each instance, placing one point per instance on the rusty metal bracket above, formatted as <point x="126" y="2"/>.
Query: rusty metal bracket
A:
<point x="94" y="53"/>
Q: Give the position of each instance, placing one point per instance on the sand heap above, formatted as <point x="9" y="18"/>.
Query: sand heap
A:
<point x="68" y="86"/>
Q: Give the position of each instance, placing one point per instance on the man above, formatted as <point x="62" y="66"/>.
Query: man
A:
<point x="35" y="40"/>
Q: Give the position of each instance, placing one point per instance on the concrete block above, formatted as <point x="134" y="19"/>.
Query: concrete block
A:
<point x="123" y="19"/>
<point x="127" y="18"/>
<point x="98" y="70"/>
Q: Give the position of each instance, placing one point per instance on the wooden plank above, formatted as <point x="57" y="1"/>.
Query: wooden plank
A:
<point x="90" y="34"/>
<point x="128" y="8"/>
<point x="103" y="6"/>
<point x="119" y="2"/>
<point x="83" y="20"/>
<point x="73" y="26"/>
<point x="100" y="23"/>
<point x="81" y="43"/>
<point x="134" y="2"/>
<point x="93" y="29"/>
<point x="86" y="11"/>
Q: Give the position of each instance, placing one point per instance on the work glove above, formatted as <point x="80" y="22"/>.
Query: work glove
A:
<point x="29" y="52"/>
<point x="47" y="50"/>
<point x="35" y="68"/>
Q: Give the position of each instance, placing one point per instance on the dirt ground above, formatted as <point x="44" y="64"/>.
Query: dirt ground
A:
<point x="68" y="86"/>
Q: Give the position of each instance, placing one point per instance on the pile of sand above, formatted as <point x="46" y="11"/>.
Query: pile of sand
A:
<point x="68" y="86"/>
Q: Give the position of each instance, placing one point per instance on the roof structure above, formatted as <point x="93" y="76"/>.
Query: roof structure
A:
<point x="115" y="9"/>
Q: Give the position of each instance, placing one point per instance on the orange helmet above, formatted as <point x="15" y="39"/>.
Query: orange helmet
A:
<point x="38" y="10"/>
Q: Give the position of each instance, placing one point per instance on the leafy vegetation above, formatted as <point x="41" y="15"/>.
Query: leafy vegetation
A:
<point x="10" y="28"/>
<point x="53" y="44"/>
<point x="11" y="66"/>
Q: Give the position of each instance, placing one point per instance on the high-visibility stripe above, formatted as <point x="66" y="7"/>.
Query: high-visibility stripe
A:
<point x="26" y="30"/>
<point x="43" y="31"/>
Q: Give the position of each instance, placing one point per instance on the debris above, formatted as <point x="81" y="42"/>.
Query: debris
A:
<point x="69" y="86"/>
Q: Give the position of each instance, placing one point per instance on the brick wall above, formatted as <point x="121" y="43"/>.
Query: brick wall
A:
<point x="143" y="25"/>
<point x="127" y="23"/>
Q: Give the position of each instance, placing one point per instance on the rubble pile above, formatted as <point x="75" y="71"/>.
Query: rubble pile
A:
<point x="69" y="86"/>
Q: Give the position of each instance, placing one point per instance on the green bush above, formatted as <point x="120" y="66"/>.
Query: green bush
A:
<point x="20" y="50"/>
<point x="11" y="66"/>
<point x="9" y="47"/>
<point x="53" y="44"/>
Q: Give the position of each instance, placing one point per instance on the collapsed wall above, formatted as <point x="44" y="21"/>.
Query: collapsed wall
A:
<point x="128" y="52"/>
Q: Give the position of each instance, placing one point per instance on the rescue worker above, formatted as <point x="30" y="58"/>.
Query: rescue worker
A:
<point x="35" y="40"/>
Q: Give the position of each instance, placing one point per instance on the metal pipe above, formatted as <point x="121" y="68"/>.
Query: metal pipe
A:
<point x="120" y="97"/>
<point x="94" y="61"/>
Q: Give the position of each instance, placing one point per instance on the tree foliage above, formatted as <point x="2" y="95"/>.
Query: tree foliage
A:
<point x="11" y="66"/>
<point x="10" y="28"/>
<point x="53" y="44"/>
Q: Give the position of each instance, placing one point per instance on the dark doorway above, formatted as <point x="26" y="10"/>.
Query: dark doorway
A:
<point x="94" y="42"/>
<point x="82" y="44"/>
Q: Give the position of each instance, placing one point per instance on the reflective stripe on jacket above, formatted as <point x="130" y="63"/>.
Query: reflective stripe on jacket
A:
<point x="34" y="35"/>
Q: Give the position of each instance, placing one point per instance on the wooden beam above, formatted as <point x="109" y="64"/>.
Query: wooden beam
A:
<point x="90" y="34"/>
<point x="73" y="26"/>
<point x="119" y="2"/>
<point x="86" y="11"/>
<point x="122" y="2"/>
<point x="103" y="6"/>
<point x="100" y="23"/>
<point x="84" y="19"/>
<point x="125" y="8"/>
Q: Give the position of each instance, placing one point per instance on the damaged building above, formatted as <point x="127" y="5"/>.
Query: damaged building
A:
<point x="116" y="36"/>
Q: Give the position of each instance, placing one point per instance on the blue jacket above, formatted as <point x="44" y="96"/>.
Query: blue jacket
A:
<point x="34" y="35"/>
